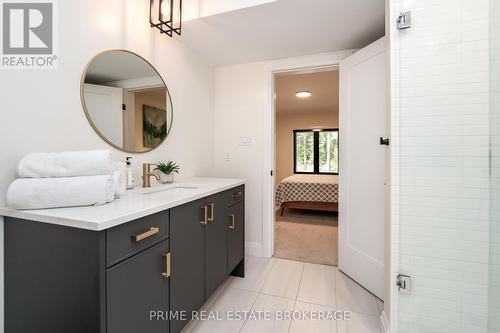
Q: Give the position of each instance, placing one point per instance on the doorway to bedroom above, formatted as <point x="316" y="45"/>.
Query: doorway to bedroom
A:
<point x="307" y="165"/>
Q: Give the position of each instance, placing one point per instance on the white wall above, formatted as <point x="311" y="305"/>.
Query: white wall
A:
<point x="243" y="108"/>
<point x="440" y="141"/>
<point x="40" y="110"/>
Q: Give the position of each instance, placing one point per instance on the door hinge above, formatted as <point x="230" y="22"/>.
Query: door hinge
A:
<point x="384" y="141"/>
<point x="272" y="172"/>
<point x="403" y="282"/>
<point x="404" y="20"/>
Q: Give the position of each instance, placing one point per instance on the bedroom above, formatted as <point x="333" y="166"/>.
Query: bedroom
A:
<point x="307" y="132"/>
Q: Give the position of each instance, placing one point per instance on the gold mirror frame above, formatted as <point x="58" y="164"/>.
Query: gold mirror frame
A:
<point x="87" y="114"/>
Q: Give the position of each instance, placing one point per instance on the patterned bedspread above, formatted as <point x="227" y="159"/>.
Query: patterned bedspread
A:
<point x="300" y="187"/>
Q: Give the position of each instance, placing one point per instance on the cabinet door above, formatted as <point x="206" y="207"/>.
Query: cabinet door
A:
<point x="236" y="235"/>
<point x="216" y="242"/>
<point x="135" y="287"/>
<point x="187" y="248"/>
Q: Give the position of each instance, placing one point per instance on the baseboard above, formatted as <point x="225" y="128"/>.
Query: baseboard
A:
<point x="384" y="323"/>
<point x="254" y="249"/>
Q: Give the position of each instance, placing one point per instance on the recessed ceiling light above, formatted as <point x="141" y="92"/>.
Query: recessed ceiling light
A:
<point x="303" y="94"/>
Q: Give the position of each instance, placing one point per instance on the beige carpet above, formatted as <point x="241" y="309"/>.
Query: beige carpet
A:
<point x="308" y="236"/>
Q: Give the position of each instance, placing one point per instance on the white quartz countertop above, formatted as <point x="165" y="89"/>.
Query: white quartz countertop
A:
<point x="134" y="204"/>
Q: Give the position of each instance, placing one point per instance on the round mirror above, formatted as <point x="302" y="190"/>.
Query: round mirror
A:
<point x="126" y="101"/>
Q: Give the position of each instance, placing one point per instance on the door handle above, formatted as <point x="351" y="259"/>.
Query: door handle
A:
<point x="212" y="208"/>
<point x="384" y="141"/>
<point x="205" y="215"/>
<point x="166" y="274"/>
<point x="231" y="220"/>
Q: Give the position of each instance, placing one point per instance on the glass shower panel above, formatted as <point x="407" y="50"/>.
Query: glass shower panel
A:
<point x="441" y="134"/>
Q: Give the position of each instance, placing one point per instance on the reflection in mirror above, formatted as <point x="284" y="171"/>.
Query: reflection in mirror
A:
<point x="126" y="101"/>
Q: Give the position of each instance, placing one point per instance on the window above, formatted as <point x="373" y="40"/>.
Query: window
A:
<point x="316" y="151"/>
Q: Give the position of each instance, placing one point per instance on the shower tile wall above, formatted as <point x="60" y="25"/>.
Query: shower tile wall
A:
<point x="440" y="69"/>
<point x="494" y="280"/>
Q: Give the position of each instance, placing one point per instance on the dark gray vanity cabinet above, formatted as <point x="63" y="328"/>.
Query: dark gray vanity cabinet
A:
<point x="134" y="288"/>
<point x="54" y="276"/>
<point x="61" y="279"/>
<point x="236" y="236"/>
<point x="187" y="248"/>
<point x="216" y="242"/>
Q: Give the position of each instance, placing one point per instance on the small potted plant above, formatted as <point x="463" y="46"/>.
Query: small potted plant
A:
<point x="167" y="171"/>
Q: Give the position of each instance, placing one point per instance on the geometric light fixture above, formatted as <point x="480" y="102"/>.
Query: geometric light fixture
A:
<point x="303" y="94"/>
<point x="166" y="15"/>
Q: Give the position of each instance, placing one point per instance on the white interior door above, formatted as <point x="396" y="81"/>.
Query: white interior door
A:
<point x="104" y="105"/>
<point x="362" y="173"/>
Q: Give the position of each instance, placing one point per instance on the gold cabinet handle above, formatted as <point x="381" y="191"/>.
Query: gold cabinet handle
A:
<point x="231" y="220"/>
<point x="152" y="231"/>
<point x="212" y="208"/>
<point x="205" y="215"/>
<point x="166" y="274"/>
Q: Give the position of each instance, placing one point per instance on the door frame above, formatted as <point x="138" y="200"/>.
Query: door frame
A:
<point x="389" y="315"/>
<point x="268" y="209"/>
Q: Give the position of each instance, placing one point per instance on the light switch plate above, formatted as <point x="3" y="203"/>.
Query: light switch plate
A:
<point x="245" y="141"/>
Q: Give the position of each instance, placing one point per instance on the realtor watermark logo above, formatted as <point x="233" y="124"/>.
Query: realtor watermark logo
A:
<point x="28" y="34"/>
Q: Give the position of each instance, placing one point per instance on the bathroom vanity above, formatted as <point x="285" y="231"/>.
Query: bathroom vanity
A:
<point x="115" y="268"/>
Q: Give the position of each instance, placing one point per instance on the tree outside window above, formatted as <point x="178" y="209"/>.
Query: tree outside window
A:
<point x="316" y="151"/>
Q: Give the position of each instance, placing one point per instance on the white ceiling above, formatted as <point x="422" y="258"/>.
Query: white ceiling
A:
<point x="324" y="87"/>
<point x="285" y="28"/>
<point x="116" y="66"/>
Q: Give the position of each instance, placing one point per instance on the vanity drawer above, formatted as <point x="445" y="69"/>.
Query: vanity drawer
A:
<point x="130" y="238"/>
<point x="235" y="195"/>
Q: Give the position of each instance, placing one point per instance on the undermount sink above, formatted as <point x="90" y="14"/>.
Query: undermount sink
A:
<point x="166" y="188"/>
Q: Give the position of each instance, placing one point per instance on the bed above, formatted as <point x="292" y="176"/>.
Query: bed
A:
<point x="303" y="191"/>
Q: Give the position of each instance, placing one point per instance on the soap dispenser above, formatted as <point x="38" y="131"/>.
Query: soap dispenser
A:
<point x="130" y="174"/>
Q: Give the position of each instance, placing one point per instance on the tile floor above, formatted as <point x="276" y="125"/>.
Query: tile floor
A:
<point x="279" y="284"/>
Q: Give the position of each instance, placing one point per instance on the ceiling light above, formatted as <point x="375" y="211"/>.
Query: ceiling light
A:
<point x="303" y="94"/>
<point x="166" y="15"/>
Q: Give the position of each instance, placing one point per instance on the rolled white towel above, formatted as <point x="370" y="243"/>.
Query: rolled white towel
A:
<point x="39" y="193"/>
<point x="120" y="178"/>
<point x="66" y="164"/>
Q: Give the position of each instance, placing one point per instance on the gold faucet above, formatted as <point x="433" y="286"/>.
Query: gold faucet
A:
<point x="146" y="175"/>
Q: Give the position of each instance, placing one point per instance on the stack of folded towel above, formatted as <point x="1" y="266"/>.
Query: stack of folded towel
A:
<point x="67" y="179"/>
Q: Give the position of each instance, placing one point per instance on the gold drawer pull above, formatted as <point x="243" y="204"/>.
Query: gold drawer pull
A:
<point x="237" y="195"/>
<point x="212" y="208"/>
<point x="231" y="219"/>
<point x="166" y="274"/>
<point x="152" y="231"/>
<point x="205" y="215"/>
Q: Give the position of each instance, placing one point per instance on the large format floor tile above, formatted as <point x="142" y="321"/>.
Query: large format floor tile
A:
<point x="312" y="326"/>
<point x="318" y="285"/>
<point x="359" y="323"/>
<point x="271" y="304"/>
<point x="229" y="300"/>
<point x="284" y="278"/>
<point x="273" y="284"/>
<point x="256" y="271"/>
<point x="352" y="297"/>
